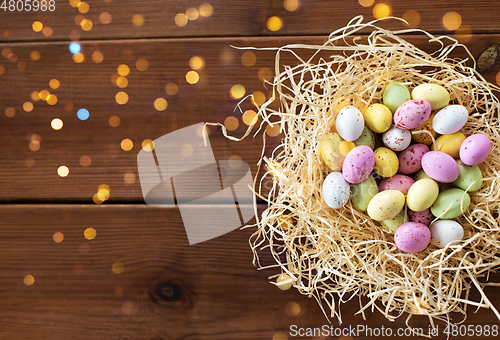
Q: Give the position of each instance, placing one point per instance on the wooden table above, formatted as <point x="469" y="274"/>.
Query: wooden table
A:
<point x="138" y="277"/>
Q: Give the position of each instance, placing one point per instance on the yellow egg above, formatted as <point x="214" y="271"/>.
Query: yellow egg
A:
<point x="386" y="204"/>
<point x="378" y="118"/>
<point x="450" y="144"/>
<point x="422" y="194"/>
<point x="386" y="162"/>
<point x="329" y="150"/>
<point x="424" y="137"/>
<point x="345" y="147"/>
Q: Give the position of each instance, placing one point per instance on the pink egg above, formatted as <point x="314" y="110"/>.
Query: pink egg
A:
<point x="410" y="160"/>
<point x="424" y="216"/>
<point x="412" y="237"/>
<point x="396" y="182"/>
<point x="440" y="166"/>
<point x="475" y="149"/>
<point x="412" y="114"/>
<point x="358" y="164"/>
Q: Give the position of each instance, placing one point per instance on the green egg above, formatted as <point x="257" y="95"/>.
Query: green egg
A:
<point x="363" y="192"/>
<point x="394" y="95"/>
<point x="420" y="175"/>
<point x="454" y="201"/>
<point x="467" y="176"/>
<point x="367" y="138"/>
<point x="434" y="94"/>
<point x="394" y="223"/>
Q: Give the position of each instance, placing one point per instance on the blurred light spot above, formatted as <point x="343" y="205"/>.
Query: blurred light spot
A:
<point x="148" y="145"/>
<point x="161" y="104"/>
<point x="142" y="64"/>
<point x="123" y="70"/>
<point x="85" y="161"/>
<point x="259" y="98"/>
<point x="35" y="96"/>
<point x="74" y="47"/>
<point x="29" y="280"/>
<point x="412" y="17"/>
<point x="84" y="248"/>
<point x="79" y="19"/>
<point x="74" y="35"/>
<point x="237" y="91"/>
<point x="30" y="162"/>
<point x="78" y="268"/>
<point x="206" y="10"/>
<point x="452" y="21"/>
<point x="44" y="95"/>
<point x="8" y="34"/>
<point x="6" y="53"/>
<point x="52" y="99"/>
<point x="274" y="23"/>
<point x="181" y="19"/>
<point x="13" y="58"/>
<point x="63" y="171"/>
<point x="292" y="309"/>
<point x="273" y="131"/>
<point x="250" y="117"/>
<point x="121" y="82"/>
<point x="11" y="112"/>
<point x="54" y="84"/>
<point x="118" y="267"/>
<point x="22" y="65"/>
<point x="68" y="106"/>
<point x="78" y="58"/>
<point x="105" y="18"/>
<point x="231" y="123"/>
<point x="265" y="74"/>
<point x="235" y="161"/>
<point x="381" y="11"/>
<point x="248" y="58"/>
<point x="121" y="98"/>
<point x="90" y="233"/>
<point x="37" y="26"/>
<point x="74" y="3"/>
<point x="56" y="124"/>
<point x="34" y="145"/>
<point x="86" y="24"/>
<point x="96" y="199"/>
<point x="129" y="308"/>
<point x="192" y="77"/>
<point x="291" y="5"/>
<point x="47" y="31"/>
<point x="192" y="13"/>
<point x="2" y="70"/>
<point x="28" y="106"/>
<point x="97" y="57"/>
<point x="284" y="282"/>
<point x="196" y="62"/>
<point x="366" y="3"/>
<point x="280" y="336"/>
<point x="127" y="55"/>
<point x="35" y="55"/>
<point x="114" y="121"/>
<point x="226" y="57"/>
<point x="186" y="149"/>
<point x="129" y="178"/>
<point x="113" y="78"/>
<point x="34" y="136"/>
<point x="171" y="89"/>
<point x="127" y="144"/>
<point x="103" y="190"/>
<point x="58" y="237"/>
<point x="464" y="34"/>
<point x="83" y="7"/>
<point x="137" y="20"/>
<point x="83" y="114"/>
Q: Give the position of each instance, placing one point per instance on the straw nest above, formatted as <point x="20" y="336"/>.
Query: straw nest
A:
<point x="337" y="254"/>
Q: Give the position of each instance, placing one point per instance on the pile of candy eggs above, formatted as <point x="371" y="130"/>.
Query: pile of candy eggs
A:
<point x="424" y="152"/>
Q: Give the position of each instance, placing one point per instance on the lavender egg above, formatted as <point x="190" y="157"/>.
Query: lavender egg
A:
<point x="358" y="164"/>
<point x="396" y="182"/>
<point x="424" y="216"/>
<point x="410" y="160"/>
<point x="440" y="166"/>
<point x="412" y="237"/>
<point x="412" y="114"/>
<point x="475" y="149"/>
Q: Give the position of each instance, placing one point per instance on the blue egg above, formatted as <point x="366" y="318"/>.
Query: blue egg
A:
<point x="83" y="114"/>
<point x="75" y="47"/>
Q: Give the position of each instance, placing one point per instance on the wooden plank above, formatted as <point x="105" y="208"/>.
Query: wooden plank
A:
<point x="77" y="295"/>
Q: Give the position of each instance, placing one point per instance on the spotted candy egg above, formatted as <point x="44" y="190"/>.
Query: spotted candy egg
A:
<point x="397" y="139"/>
<point x="412" y="237"/>
<point x="440" y="166"/>
<point x="358" y="164"/>
<point x="396" y="182"/>
<point x="412" y="113"/>
<point x="424" y="216"/>
<point x="475" y="149"/>
<point x="336" y="191"/>
<point x="410" y="160"/>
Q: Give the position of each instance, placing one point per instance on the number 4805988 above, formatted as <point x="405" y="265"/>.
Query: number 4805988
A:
<point x="28" y="5"/>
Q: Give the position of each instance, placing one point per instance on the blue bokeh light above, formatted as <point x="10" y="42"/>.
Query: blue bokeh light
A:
<point x="75" y="47"/>
<point x="83" y="114"/>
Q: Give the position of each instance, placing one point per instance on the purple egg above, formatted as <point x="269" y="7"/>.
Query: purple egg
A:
<point x="412" y="114"/>
<point x="358" y="164"/>
<point x="424" y="216"/>
<point x="475" y="149"/>
<point x="396" y="182"/>
<point x="440" y="166"/>
<point x="412" y="237"/>
<point x="410" y="160"/>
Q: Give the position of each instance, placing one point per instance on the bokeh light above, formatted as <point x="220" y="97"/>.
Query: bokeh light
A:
<point x="248" y="58"/>
<point x="192" y="77"/>
<point x="274" y="23"/>
<point x="118" y="267"/>
<point x="105" y="18"/>
<point x="85" y="161"/>
<point x="54" y="84"/>
<point x="171" y="89"/>
<point x="35" y="55"/>
<point x="63" y="171"/>
<point x="22" y="65"/>
<point x="273" y="131"/>
<point x="291" y="5"/>
<point x="452" y="21"/>
<point x="96" y="199"/>
<point x="34" y="145"/>
<point x="292" y="308"/>
<point x="235" y="161"/>
<point x="366" y="3"/>
<point x="83" y="114"/>
<point x="196" y="62"/>
<point x="86" y="24"/>
<point x="121" y="98"/>
<point x="280" y="336"/>
<point x="181" y="19"/>
<point x="381" y="11"/>
<point x="97" y="57"/>
<point x="412" y="17"/>
<point x="129" y="178"/>
<point x="148" y="145"/>
<point x="29" y="280"/>
<point x="265" y="74"/>
<point x="58" y="237"/>
<point x="30" y="162"/>
<point x="259" y="98"/>
<point x="250" y="117"/>
<point x="6" y="53"/>
<point x="56" y="124"/>
<point x="10" y="112"/>
<point x="123" y="70"/>
<point x="52" y="99"/>
<point x="74" y="47"/>
<point x="74" y="3"/>
<point x="83" y="7"/>
<point x="2" y="70"/>
<point x="231" y="123"/>
<point x="28" y="106"/>
<point x="47" y="31"/>
<point x="35" y="96"/>
<point x="44" y="95"/>
<point x="237" y="91"/>
<point x="126" y="144"/>
<point x="161" y="104"/>
<point x="90" y="233"/>
<point x="284" y="282"/>
<point x="142" y="64"/>
<point x="37" y="26"/>
<point x="192" y="13"/>
<point x="206" y="10"/>
<point x="78" y="58"/>
<point x="186" y="149"/>
<point x="122" y="82"/>
<point x="78" y="19"/>
<point x="114" y="121"/>
<point x="137" y="20"/>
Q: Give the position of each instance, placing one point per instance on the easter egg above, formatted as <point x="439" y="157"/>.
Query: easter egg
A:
<point x="385" y="205"/>
<point x="420" y="174"/>
<point x="412" y="237"/>
<point x="424" y="216"/>
<point x="394" y="95"/>
<point x="378" y="118"/>
<point x="350" y="123"/>
<point x="470" y="177"/>
<point x="335" y="190"/>
<point x="434" y="94"/>
<point x="422" y="194"/>
<point x="412" y="114"/>
<point x="450" y="204"/>
<point x="393" y="224"/>
<point x="358" y="164"/>
<point x="443" y="232"/>
<point x="386" y="162"/>
<point x="449" y="144"/>
<point x="396" y="182"/>
<point x="363" y="192"/>
<point x="440" y="166"/>
<point x="450" y="119"/>
<point x="345" y="147"/>
<point x="475" y="149"/>
<point x="396" y="139"/>
<point x="367" y="138"/>
<point x="410" y="160"/>
<point x="329" y="150"/>
<point x="422" y="134"/>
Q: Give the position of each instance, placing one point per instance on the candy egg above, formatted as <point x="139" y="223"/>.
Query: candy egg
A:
<point x="386" y="162"/>
<point x="378" y="118"/>
<point x="475" y="149"/>
<point x="396" y="182"/>
<point x="394" y="95"/>
<point x="367" y="138"/>
<point x="412" y="237"/>
<point x="335" y="190"/>
<point x="436" y="95"/>
<point x="440" y="166"/>
<point x="396" y="139"/>
<point x="450" y="204"/>
<point x="412" y="114"/>
<point x="443" y="232"/>
<point x="363" y="192"/>
<point x="410" y="160"/>
<point x="393" y="224"/>
<point x="329" y="149"/>
<point x="358" y="164"/>
<point x="450" y="119"/>
<point x="422" y="194"/>
<point x="385" y="205"/>
<point x="424" y="216"/>
<point x="345" y="147"/>
<point x="420" y="174"/>
<point x="449" y="144"/>
<point x="419" y="136"/>
<point x="468" y="175"/>
<point x="350" y="123"/>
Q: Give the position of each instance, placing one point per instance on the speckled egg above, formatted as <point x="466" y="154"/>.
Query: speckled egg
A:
<point x="350" y="123"/>
<point x="434" y="94"/>
<point x="412" y="114"/>
<point x="358" y="164"/>
<point x="362" y="193"/>
<point x="420" y="174"/>
<point x="386" y="162"/>
<point x="367" y="138"/>
<point x="396" y="182"/>
<point x="443" y="232"/>
<point x="378" y="118"/>
<point x="393" y="224"/>
<point x="470" y="177"/>
<point x="450" y="119"/>
<point x="418" y="136"/>
<point x="396" y="139"/>
<point x="329" y="150"/>
<point x="412" y="237"/>
<point x="475" y="149"/>
<point x="425" y="216"/>
<point x="450" y="204"/>
<point x="440" y="166"/>
<point x="410" y="160"/>
<point x="422" y="194"/>
<point x="449" y="144"/>
<point x="335" y="190"/>
<point x="394" y="95"/>
<point x="386" y="204"/>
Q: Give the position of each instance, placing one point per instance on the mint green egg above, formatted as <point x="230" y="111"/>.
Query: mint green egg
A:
<point x="362" y="193"/>
<point x="394" y="95"/>
<point x="454" y="201"/>
<point x="394" y="223"/>
<point x="467" y="176"/>
<point x="420" y="175"/>
<point x="367" y="138"/>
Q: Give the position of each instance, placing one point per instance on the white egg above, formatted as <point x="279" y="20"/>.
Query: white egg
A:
<point x="396" y="139"/>
<point x="450" y="119"/>
<point x="350" y="123"/>
<point x="336" y="191"/>
<point x="445" y="231"/>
